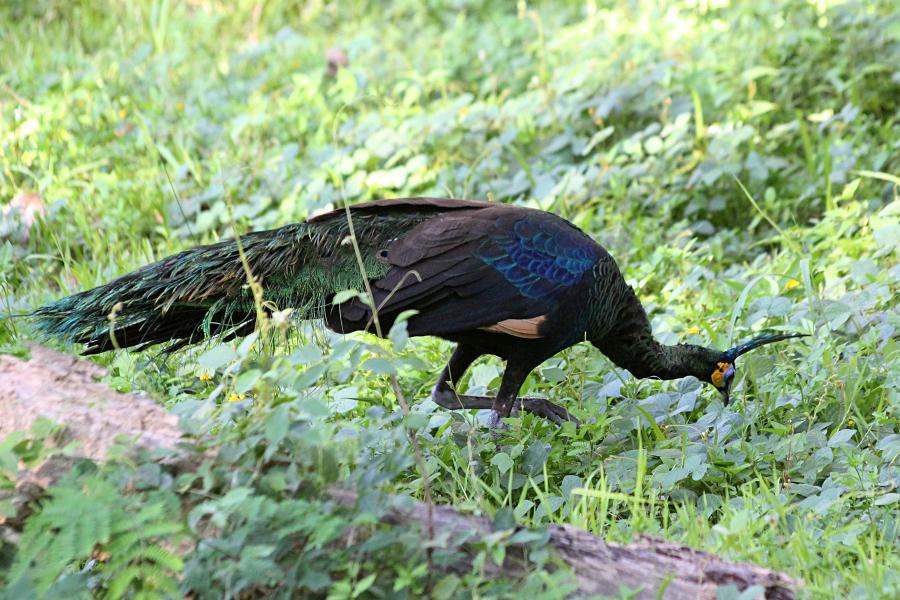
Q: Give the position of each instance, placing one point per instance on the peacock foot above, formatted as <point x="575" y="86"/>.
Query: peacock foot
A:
<point x="548" y="410"/>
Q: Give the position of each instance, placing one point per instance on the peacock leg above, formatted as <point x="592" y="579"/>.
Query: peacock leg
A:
<point x="445" y="396"/>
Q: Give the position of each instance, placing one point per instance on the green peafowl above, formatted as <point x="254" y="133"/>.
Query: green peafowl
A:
<point x="518" y="283"/>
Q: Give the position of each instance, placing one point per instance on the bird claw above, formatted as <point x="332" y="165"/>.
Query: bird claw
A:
<point x="548" y="410"/>
<point x="537" y="406"/>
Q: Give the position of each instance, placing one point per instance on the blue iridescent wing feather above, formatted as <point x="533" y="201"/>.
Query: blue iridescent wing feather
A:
<point x="537" y="258"/>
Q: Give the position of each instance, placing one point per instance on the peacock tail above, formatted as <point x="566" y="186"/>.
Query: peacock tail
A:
<point x="203" y="291"/>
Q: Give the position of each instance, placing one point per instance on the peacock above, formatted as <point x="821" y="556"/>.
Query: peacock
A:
<point x="495" y="279"/>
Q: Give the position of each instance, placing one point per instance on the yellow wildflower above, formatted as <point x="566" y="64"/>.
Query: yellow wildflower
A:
<point x="692" y="330"/>
<point x="791" y="284"/>
<point x="204" y="376"/>
<point x="236" y="397"/>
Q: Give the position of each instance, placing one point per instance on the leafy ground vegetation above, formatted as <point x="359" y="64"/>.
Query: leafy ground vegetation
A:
<point x="739" y="159"/>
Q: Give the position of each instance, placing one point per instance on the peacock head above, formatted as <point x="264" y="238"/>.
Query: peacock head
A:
<point x="721" y="375"/>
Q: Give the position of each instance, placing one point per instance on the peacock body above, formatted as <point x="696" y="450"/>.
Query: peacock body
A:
<point x="514" y="282"/>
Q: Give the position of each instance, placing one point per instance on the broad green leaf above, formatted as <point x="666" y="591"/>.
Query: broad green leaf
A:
<point x="217" y="357"/>
<point x="502" y="461"/>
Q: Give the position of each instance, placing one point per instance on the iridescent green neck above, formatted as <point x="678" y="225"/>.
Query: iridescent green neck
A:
<point x="645" y="357"/>
<point x="618" y="326"/>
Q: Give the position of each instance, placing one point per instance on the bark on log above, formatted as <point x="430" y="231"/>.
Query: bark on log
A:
<point x="606" y="568"/>
<point x="63" y="389"/>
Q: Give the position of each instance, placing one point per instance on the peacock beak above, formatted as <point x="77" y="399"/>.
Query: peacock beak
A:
<point x="728" y="379"/>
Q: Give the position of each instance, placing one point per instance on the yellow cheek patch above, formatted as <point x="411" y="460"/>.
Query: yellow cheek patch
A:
<point x="718" y="375"/>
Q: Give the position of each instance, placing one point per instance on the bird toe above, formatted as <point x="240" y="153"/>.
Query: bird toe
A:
<point x="548" y="410"/>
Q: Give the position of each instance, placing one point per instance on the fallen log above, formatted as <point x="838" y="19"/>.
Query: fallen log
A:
<point x="65" y="390"/>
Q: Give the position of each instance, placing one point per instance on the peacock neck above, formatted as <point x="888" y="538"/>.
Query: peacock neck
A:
<point x="645" y="357"/>
<point x="619" y="327"/>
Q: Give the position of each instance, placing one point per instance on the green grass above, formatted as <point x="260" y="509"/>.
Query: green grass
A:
<point x="740" y="160"/>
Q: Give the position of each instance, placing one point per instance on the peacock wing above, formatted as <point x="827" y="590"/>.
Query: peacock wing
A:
<point x="500" y="268"/>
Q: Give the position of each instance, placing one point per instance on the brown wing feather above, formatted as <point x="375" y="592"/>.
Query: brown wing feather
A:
<point x="521" y="328"/>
